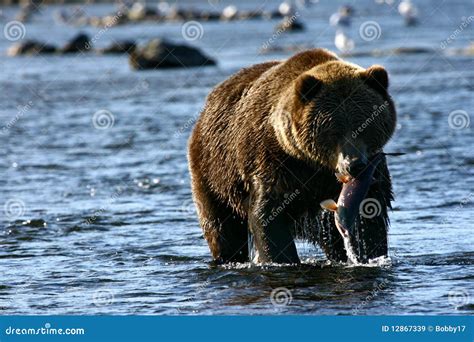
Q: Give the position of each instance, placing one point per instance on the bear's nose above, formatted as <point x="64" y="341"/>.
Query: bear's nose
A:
<point x="352" y="158"/>
<point x="356" y="166"/>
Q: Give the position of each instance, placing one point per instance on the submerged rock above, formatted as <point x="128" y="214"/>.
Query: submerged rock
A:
<point x="467" y="51"/>
<point x="268" y="49"/>
<point x="80" y="43"/>
<point x="290" y="24"/>
<point x="36" y="223"/>
<point x="165" y="12"/>
<point x="118" y="47"/>
<point x="160" y="53"/>
<point x="30" y="47"/>
<point x="140" y="12"/>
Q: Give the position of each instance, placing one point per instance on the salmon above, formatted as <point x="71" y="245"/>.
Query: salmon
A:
<point x="354" y="190"/>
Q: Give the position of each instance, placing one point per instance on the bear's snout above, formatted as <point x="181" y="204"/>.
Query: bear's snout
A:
<point x="352" y="158"/>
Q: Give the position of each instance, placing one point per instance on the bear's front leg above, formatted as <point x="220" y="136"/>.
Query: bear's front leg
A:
<point x="270" y="225"/>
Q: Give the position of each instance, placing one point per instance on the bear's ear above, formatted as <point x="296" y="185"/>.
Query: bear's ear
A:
<point x="377" y="78"/>
<point x="307" y="87"/>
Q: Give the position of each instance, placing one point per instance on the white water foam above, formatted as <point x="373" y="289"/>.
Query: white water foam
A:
<point x="351" y="255"/>
<point x="381" y="261"/>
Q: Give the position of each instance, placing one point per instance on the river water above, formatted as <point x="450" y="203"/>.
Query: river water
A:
<point x="98" y="217"/>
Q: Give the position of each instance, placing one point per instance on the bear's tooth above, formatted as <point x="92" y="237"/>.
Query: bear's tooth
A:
<point x="329" y="204"/>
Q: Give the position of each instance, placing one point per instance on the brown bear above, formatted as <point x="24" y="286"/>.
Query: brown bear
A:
<point x="264" y="153"/>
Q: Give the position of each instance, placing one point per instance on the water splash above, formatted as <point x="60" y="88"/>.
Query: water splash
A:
<point x="351" y="255"/>
<point x="352" y="261"/>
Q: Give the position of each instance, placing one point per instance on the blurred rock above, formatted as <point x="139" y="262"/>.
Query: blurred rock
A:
<point x="114" y="20"/>
<point x="23" y="16"/>
<point x="467" y="51"/>
<point x="80" y="43"/>
<point x="159" y="53"/>
<point x="35" y="223"/>
<point x="271" y="15"/>
<point x="165" y="12"/>
<point x="284" y="48"/>
<point x="76" y="16"/>
<point x="118" y="47"/>
<point x="139" y="12"/>
<point x="410" y="50"/>
<point x="209" y="16"/>
<point x="30" y="47"/>
<point x="290" y="24"/>
<point x="389" y="52"/>
<point x="27" y="10"/>
<point x="246" y="15"/>
<point x="95" y="21"/>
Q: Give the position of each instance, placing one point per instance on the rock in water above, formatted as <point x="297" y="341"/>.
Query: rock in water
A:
<point x="119" y="47"/>
<point x="30" y="47"/>
<point x="160" y="53"/>
<point x="290" y="24"/>
<point x="140" y="12"/>
<point x="80" y="43"/>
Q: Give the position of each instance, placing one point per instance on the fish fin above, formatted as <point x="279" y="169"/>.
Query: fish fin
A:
<point x="329" y="204"/>
<point x="342" y="178"/>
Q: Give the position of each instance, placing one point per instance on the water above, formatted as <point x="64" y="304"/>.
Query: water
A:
<point x="112" y="227"/>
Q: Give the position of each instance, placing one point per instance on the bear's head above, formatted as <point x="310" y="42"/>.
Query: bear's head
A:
<point x="336" y="114"/>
